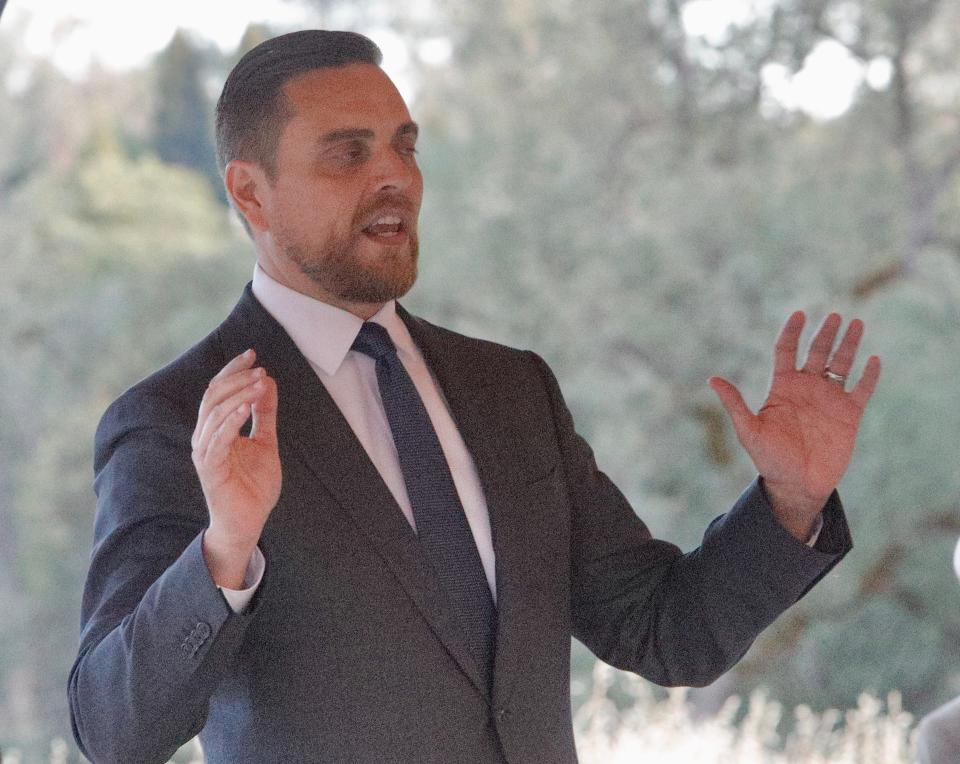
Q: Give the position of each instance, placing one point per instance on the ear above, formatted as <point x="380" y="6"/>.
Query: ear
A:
<point x="248" y="187"/>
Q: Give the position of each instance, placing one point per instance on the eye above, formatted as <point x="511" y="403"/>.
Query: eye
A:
<point x="351" y="153"/>
<point x="355" y="153"/>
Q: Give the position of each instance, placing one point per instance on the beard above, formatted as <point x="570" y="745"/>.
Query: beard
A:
<point x="340" y="267"/>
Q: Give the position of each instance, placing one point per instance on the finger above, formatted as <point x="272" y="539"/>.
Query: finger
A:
<point x="842" y="359"/>
<point x="741" y="416"/>
<point x="785" y="351"/>
<point x="223" y="410"/>
<point x="868" y="382"/>
<point x="822" y="343"/>
<point x="224" y="436"/>
<point x="237" y="363"/>
<point x="221" y="388"/>
<point x="264" y="411"/>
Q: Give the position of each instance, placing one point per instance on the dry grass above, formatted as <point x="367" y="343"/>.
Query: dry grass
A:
<point x="871" y="733"/>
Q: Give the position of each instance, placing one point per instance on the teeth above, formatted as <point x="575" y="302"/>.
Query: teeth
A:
<point x="388" y="220"/>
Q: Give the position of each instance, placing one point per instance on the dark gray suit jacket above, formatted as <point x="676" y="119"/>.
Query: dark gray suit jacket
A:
<point x="348" y="652"/>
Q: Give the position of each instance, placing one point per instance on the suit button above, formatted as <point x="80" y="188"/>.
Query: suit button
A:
<point x="202" y="630"/>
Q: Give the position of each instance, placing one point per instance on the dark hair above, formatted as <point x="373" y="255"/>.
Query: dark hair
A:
<point x="252" y="109"/>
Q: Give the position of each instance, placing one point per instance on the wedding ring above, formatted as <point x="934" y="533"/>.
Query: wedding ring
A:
<point x="834" y="377"/>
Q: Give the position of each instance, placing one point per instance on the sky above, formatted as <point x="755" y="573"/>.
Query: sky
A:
<point x="120" y="34"/>
<point x="123" y="33"/>
<point x="824" y="87"/>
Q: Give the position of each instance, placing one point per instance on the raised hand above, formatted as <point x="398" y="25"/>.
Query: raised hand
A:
<point x="802" y="438"/>
<point x="240" y="476"/>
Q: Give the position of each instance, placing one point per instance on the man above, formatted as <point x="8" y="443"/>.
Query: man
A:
<point x="332" y="532"/>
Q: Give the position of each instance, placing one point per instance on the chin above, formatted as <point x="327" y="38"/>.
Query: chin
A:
<point x="400" y="284"/>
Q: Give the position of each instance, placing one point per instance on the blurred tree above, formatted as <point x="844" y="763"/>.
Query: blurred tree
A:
<point x="253" y="35"/>
<point x="183" y="115"/>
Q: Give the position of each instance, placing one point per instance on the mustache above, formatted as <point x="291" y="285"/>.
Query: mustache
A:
<point x="386" y="204"/>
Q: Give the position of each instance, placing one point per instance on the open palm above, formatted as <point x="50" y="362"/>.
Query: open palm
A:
<point x="802" y="438"/>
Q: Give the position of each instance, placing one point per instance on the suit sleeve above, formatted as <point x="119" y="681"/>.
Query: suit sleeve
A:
<point x="156" y="633"/>
<point x="641" y="605"/>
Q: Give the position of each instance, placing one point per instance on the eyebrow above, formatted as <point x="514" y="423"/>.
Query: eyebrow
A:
<point x="408" y="128"/>
<point x="359" y="133"/>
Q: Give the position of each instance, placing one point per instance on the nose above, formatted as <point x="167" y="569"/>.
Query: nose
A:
<point x="395" y="172"/>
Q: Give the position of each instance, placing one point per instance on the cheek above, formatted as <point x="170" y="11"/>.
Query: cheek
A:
<point x="320" y="211"/>
<point x="332" y="205"/>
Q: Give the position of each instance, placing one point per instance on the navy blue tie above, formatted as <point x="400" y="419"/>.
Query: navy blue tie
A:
<point x="442" y="526"/>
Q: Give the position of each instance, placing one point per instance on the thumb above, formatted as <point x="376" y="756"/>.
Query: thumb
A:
<point x="264" y="411"/>
<point x="732" y="401"/>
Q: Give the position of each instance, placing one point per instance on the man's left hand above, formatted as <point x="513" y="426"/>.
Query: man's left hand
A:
<point x="802" y="438"/>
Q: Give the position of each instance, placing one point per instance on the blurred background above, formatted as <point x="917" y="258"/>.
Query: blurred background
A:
<point x="640" y="191"/>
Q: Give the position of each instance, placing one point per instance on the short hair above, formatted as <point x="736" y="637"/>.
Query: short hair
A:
<point x="252" y="109"/>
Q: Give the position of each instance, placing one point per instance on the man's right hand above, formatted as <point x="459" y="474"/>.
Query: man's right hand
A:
<point x="240" y="476"/>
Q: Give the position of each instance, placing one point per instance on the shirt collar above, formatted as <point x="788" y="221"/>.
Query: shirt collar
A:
<point x="322" y="332"/>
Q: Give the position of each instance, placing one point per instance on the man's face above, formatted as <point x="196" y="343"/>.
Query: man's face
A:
<point x="344" y="204"/>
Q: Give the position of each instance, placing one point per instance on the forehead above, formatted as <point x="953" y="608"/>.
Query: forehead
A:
<point x="356" y="95"/>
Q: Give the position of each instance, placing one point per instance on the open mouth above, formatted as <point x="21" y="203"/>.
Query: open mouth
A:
<point x="387" y="229"/>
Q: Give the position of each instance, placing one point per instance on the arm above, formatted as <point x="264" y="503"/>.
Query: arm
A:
<point x="157" y="635"/>
<point x="641" y="605"/>
<point x="684" y="619"/>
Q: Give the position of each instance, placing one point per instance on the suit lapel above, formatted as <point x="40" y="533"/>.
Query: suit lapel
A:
<point x="483" y="415"/>
<point x="313" y="429"/>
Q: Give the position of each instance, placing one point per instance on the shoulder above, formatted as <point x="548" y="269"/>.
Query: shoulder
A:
<point x="469" y="352"/>
<point x="519" y="384"/>
<point x="170" y="397"/>
<point x="165" y="402"/>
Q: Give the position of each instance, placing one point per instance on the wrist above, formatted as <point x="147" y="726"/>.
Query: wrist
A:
<point x="796" y="511"/>
<point x="228" y="538"/>
<point x="226" y="557"/>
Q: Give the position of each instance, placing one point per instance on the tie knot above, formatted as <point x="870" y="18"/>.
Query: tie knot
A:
<point x="374" y="341"/>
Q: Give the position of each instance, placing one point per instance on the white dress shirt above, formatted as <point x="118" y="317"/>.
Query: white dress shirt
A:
<point x="324" y="335"/>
